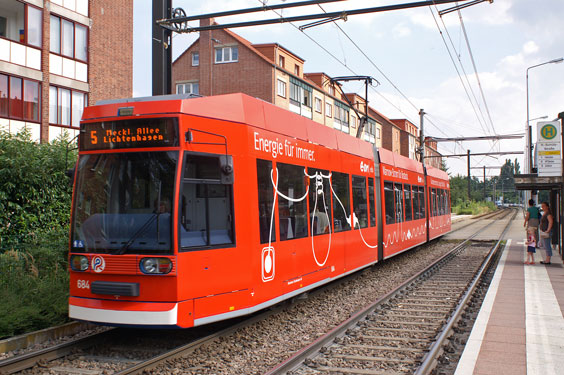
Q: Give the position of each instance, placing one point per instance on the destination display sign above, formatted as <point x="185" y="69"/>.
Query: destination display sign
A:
<point x="549" y="149"/>
<point x="137" y="133"/>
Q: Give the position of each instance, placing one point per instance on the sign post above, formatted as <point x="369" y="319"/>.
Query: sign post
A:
<point x="549" y="148"/>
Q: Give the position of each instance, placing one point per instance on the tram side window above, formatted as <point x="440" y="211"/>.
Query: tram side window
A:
<point x="341" y="201"/>
<point x="448" y="202"/>
<point x="441" y="202"/>
<point x="398" y="189"/>
<point x="433" y="202"/>
<point x="371" y="200"/>
<point x="292" y="212"/>
<point x="439" y="198"/>
<point x="416" y="202"/>
<point x="266" y="198"/>
<point x="319" y="201"/>
<point x="359" y="200"/>
<point x="206" y="204"/>
<point x="408" y="202"/>
<point x="422" y="202"/>
<point x="389" y="202"/>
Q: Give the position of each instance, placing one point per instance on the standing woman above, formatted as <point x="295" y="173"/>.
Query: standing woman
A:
<point x="546" y="223"/>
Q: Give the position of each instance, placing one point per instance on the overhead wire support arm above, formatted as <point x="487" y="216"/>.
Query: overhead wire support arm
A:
<point x="322" y="22"/>
<point x="263" y="8"/>
<point x="481" y="138"/>
<point x="458" y="7"/>
<point x="179" y="24"/>
<point x="478" y="154"/>
<point x="367" y="81"/>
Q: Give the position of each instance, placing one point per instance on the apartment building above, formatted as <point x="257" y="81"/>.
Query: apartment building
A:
<point x="432" y="156"/>
<point x="222" y="62"/>
<point x="409" y="137"/>
<point x="267" y="71"/>
<point x="58" y="56"/>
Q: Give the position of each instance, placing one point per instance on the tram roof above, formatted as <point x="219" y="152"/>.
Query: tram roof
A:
<point x="238" y="108"/>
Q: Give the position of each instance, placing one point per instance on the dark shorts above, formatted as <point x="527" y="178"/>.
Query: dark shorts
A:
<point x="531" y="249"/>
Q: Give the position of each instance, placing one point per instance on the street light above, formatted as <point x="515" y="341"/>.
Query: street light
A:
<point x="529" y="156"/>
<point x="538" y="118"/>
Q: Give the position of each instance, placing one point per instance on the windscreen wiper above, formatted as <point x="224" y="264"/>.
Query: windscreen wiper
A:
<point x="141" y="230"/>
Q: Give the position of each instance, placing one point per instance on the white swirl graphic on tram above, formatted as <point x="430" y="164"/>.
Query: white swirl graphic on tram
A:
<point x="319" y="191"/>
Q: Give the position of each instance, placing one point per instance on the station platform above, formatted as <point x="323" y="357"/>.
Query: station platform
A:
<point x="520" y="327"/>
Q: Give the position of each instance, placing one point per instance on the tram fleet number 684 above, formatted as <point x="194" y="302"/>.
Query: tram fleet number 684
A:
<point x="188" y="211"/>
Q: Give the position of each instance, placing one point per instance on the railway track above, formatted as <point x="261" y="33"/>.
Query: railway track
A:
<point x="133" y="352"/>
<point x="500" y="213"/>
<point x="119" y="351"/>
<point x="405" y="331"/>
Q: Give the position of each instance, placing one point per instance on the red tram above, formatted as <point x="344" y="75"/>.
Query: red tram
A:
<point x="190" y="211"/>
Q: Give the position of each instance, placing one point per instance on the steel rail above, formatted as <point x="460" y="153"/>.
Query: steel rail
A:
<point x="25" y="361"/>
<point x="430" y="358"/>
<point x="153" y="362"/>
<point x="299" y="357"/>
<point x="487" y="215"/>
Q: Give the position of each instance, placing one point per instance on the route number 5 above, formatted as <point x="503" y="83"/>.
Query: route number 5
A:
<point x="93" y="137"/>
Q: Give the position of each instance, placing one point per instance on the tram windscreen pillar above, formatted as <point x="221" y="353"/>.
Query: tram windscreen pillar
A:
<point x="162" y="49"/>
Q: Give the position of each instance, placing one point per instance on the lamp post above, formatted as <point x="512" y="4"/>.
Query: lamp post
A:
<point x="528" y="131"/>
<point x="538" y="118"/>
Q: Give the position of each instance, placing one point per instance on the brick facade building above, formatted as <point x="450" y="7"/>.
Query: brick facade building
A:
<point x="58" y="56"/>
<point x="222" y="62"/>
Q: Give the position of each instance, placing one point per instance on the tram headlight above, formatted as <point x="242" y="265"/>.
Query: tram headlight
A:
<point x="79" y="263"/>
<point x="155" y="266"/>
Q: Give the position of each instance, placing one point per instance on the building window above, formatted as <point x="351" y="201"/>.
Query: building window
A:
<point x="306" y="98"/>
<point x="378" y="133"/>
<point x="331" y="90"/>
<point x="281" y="88"/>
<point x="78" y="104"/>
<point x="188" y="88"/>
<point x="4" y="92"/>
<point x="295" y="93"/>
<point x="318" y="105"/>
<point x="21" y="23"/>
<point x="300" y="93"/>
<point x="195" y="58"/>
<point x="226" y="54"/>
<point x="297" y="70"/>
<point x="281" y="61"/>
<point x="328" y="110"/>
<point x="342" y="116"/>
<point x="69" y="39"/>
<point x="19" y="98"/>
<point x="66" y="106"/>
<point x="353" y="122"/>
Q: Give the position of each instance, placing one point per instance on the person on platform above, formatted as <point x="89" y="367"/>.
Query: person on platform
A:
<point x="532" y="217"/>
<point x="546" y="223"/>
<point x="531" y="246"/>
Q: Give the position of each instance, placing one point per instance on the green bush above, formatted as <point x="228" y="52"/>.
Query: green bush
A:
<point x="35" y="198"/>
<point x="473" y="208"/>
<point x="35" y="193"/>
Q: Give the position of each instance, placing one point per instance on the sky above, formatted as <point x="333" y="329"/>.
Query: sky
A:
<point x="475" y="87"/>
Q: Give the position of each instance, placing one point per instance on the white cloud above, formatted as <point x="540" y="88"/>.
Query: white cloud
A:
<point x="530" y="48"/>
<point x="401" y="30"/>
